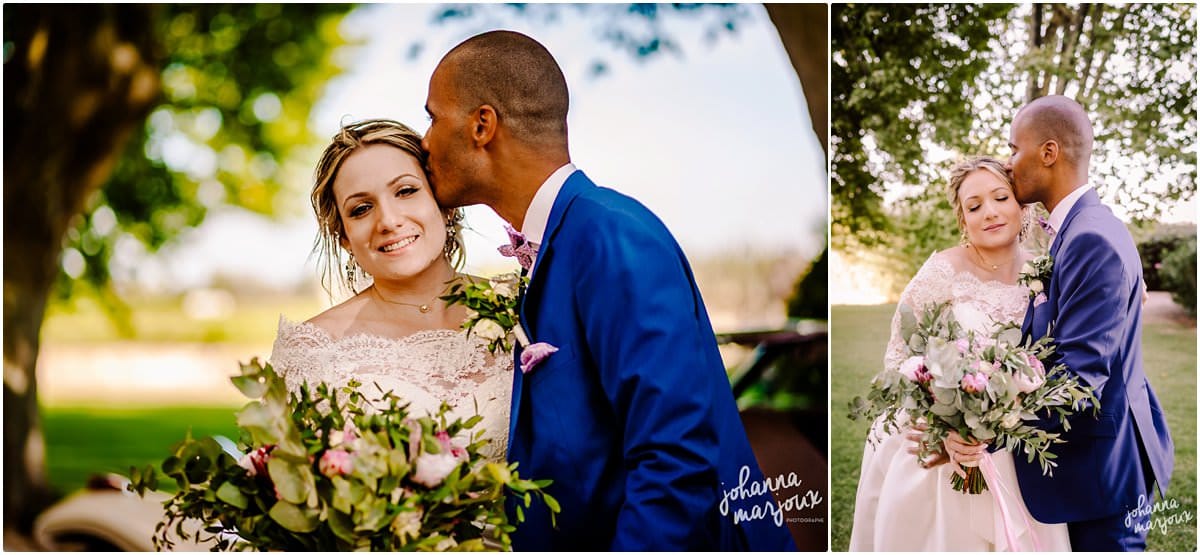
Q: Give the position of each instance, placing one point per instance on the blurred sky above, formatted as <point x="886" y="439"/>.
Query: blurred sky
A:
<point x="716" y="141"/>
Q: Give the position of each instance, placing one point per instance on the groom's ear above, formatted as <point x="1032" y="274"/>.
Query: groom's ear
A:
<point x="1049" y="152"/>
<point x="483" y="126"/>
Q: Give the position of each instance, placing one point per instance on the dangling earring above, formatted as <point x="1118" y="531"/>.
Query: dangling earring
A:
<point x="352" y="270"/>
<point x="1024" y="233"/>
<point x="451" y="233"/>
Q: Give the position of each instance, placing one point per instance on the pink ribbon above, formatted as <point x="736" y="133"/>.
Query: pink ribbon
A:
<point x="993" y="479"/>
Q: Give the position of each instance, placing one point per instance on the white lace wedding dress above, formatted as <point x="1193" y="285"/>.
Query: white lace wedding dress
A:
<point x="901" y="506"/>
<point x="424" y="368"/>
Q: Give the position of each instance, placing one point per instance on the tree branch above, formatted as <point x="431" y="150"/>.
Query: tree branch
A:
<point x="1066" y="58"/>
<point x="1097" y="19"/>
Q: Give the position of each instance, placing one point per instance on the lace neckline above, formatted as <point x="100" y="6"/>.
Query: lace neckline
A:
<point x="327" y="338"/>
<point x="955" y="273"/>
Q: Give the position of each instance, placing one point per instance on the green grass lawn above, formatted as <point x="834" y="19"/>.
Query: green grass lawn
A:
<point x="858" y="335"/>
<point x="163" y="320"/>
<point x="84" y="441"/>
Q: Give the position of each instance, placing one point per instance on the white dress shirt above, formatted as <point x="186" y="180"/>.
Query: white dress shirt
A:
<point x="537" y="216"/>
<point x="1059" y="215"/>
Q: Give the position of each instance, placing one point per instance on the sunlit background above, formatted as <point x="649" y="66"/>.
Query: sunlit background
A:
<point x="714" y="138"/>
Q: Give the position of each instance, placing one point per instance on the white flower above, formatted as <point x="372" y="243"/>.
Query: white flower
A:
<point x="504" y="288"/>
<point x="407" y="524"/>
<point x="488" y="330"/>
<point x="910" y="367"/>
<point x="1027" y="269"/>
<point x="1011" y="420"/>
<point x="445" y="545"/>
<point x="432" y="469"/>
<point x="1036" y="286"/>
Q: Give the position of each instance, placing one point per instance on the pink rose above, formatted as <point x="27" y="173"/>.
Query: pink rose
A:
<point x="1026" y="384"/>
<point x="336" y="462"/>
<point x="1036" y="364"/>
<point x="912" y="367"/>
<point x="963" y="346"/>
<point x="986" y="368"/>
<point x="974" y="383"/>
<point x="448" y="446"/>
<point x="534" y="354"/>
<point x="1039" y="299"/>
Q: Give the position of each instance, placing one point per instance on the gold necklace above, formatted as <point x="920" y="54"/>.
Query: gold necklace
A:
<point x="423" y="308"/>
<point x="983" y="260"/>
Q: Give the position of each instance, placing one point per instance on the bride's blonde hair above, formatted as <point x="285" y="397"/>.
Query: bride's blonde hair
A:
<point x="959" y="173"/>
<point x="330" y="230"/>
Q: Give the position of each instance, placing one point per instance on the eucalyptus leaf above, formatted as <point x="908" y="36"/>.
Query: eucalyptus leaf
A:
<point x="229" y="493"/>
<point x="294" y="518"/>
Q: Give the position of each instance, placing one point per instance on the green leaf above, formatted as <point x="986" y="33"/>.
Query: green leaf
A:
<point x="230" y="493"/>
<point x="341" y="526"/>
<point x="290" y="480"/>
<point x="552" y="503"/>
<point x="252" y="387"/>
<point x="294" y="518"/>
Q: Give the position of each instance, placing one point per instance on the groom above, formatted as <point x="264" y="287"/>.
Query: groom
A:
<point x="1110" y="467"/>
<point x="632" y="417"/>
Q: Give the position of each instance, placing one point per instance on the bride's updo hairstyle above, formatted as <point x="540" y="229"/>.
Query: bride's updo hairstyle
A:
<point x="959" y="173"/>
<point x="330" y="231"/>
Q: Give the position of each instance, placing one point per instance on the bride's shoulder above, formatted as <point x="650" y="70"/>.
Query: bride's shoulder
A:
<point x="331" y="321"/>
<point x="943" y="262"/>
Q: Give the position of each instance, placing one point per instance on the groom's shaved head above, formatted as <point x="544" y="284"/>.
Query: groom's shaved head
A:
<point x="518" y="77"/>
<point x="1062" y="120"/>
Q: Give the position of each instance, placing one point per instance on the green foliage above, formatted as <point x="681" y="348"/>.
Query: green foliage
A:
<point x="238" y="83"/>
<point x="1179" y="274"/>
<point x="1157" y="245"/>
<point x="810" y="299"/>
<point x="492" y="308"/>
<point x="902" y="76"/>
<point x="915" y="86"/>
<point x="634" y="29"/>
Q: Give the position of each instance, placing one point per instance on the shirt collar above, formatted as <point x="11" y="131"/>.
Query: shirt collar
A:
<point x="538" y="213"/>
<point x="1059" y="215"/>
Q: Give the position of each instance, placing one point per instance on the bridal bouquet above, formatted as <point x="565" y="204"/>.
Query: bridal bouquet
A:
<point x="984" y="387"/>
<point x="329" y="470"/>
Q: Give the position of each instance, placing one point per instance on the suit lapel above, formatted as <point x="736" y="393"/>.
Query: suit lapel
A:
<point x="1089" y="199"/>
<point x="572" y="187"/>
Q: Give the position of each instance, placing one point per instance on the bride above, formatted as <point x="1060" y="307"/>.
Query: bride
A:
<point x="905" y="504"/>
<point x="374" y="204"/>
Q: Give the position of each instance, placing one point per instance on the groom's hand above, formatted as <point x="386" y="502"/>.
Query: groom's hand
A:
<point x="963" y="453"/>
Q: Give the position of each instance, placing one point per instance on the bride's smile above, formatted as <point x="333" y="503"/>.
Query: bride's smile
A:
<point x="396" y="245"/>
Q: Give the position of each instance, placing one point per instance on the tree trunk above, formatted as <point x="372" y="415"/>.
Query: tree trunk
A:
<point x="804" y="30"/>
<point x="78" y="80"/>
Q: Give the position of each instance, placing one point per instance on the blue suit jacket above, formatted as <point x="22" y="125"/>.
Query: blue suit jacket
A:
<point x="633" y="417"/>
<point x="1093" y="312"/>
